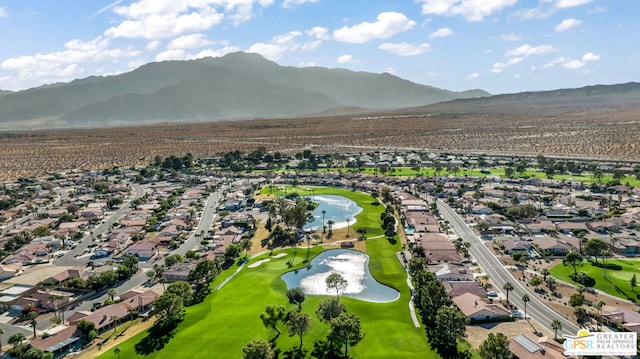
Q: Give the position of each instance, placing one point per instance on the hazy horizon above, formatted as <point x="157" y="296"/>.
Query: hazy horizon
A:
<point x="501" y="46"/>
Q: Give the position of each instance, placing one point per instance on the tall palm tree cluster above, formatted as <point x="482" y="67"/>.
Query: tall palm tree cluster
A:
<point x="293" y="214"/>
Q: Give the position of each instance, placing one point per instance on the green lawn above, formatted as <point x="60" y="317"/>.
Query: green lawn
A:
<point x="617" y="282"/>
<point x="230" y="317"/>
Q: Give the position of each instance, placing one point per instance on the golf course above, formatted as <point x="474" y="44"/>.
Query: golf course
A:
<point x="229" y="317"/>
<point x="615" y="281"/>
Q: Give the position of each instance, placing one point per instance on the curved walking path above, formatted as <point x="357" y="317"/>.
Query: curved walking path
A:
<point x="231" y="276"/>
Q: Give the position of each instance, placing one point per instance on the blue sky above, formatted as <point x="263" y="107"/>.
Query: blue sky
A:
<point x="501" y="46"/>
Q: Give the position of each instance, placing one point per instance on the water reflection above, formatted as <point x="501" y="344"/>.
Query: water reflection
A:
<point x="352" y="266"/>
<point x="337" y="209"/>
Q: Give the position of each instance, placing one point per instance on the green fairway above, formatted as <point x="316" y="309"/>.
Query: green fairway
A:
<point x="617" y="282"/>
<point x="230" y="317"/>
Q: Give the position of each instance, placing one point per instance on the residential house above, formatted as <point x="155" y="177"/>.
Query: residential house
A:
<point x="456" y="288"/>
<point x="138" y="300"/>
<point x="571" y="227"/>
<point x="481" y="209"/>
<point x="103" y="318"/>
<point x="451" y="273"/>
<point x="144" y="250"/>
<point x="623" y="317"/>
<point x="60" y="343"/>
<point x="178" y="272"/>
<point x="551" y="245"/>
<point x="512" y="246"/>
<point x="541" y="227"/>
<point x="9" y="270"/>
<point x="603" y="227"/>
<point x="524" y="347"/>
<point x="67" y="274"/>
<point x="477" y="308"/>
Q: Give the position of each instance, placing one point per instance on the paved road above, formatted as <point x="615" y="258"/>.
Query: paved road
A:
<point x="69" y="258"/>
<point x="208" y="215"/>
<point x="536" y="309"/>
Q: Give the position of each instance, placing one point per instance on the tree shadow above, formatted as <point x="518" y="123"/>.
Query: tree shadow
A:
<point x="392" y="240"/>
<point x="295" y="353"/>
<point x="158" y="336"/>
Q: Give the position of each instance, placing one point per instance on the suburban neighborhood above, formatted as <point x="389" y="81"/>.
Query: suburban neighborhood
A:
<point x="89" y="251"/>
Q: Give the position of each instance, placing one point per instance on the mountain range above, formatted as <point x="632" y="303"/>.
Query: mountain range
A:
<point x="236" y="86"/>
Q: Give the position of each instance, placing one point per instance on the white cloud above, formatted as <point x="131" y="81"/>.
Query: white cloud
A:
<point x="278" y="46"/>
<point x="345" y="59"/>
<point x="528" y="50"/>
<point x="471" y="10"/>
<point x="547" y="8"/>
<point x="3" y="13"/>
<point x="404" y="49"/>
<point x="473" y="75"/>
<point x="387" y="24"/>
<point x="510" y="37"/>
<point x="559" y="60"/>
<point x="307" y="64"/>
<point x="571" y="3"/>
<point x="156" y="26"/>
<point x="191" y="41"/>
<point x="215" y="52"/>
<point x="154" y="19"/>
<point x="320" y="33"/>
<point x="66" y="64"/>
<point x="175" y="54"/>
<point x="590" y="56"/>
<point x="443" y="32"/>
<point x="567" y="24"/>
<point x="181" y="54"/>
<point x="154" y="45"/>
<point x="571" y="63"/>
<point x="499" y="66"/>
<point x="292" y="3"/>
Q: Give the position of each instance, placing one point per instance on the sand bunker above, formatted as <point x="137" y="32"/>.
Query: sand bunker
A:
<point x="255" y="264"/>
<point x="279" y="255"/>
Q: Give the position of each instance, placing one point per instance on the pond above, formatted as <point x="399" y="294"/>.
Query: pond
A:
<point x="337" y="209"/>
<point x="352" y="266"/>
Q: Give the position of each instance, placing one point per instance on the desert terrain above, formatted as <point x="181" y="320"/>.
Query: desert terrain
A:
<point x="606" y="133"/>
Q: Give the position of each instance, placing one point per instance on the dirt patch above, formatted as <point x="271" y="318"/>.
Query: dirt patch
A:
<point x="476" y="334"/>
<point x="598" y="133"/>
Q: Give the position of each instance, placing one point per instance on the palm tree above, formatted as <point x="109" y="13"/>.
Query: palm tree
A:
<point x="330" y="224"/>
<point x="348" y="219"/>
<point x="556" y="325"/>
<point x="545" y="272"/>
<point x="324" y="229"/>
<point x="117" y="351"/>
<point x="507" y="288"/>
<point x="599" y="306"/>
<point x="525" y="299"/>
<point x="112" y="293"/>
<point x="32" y="318"/>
